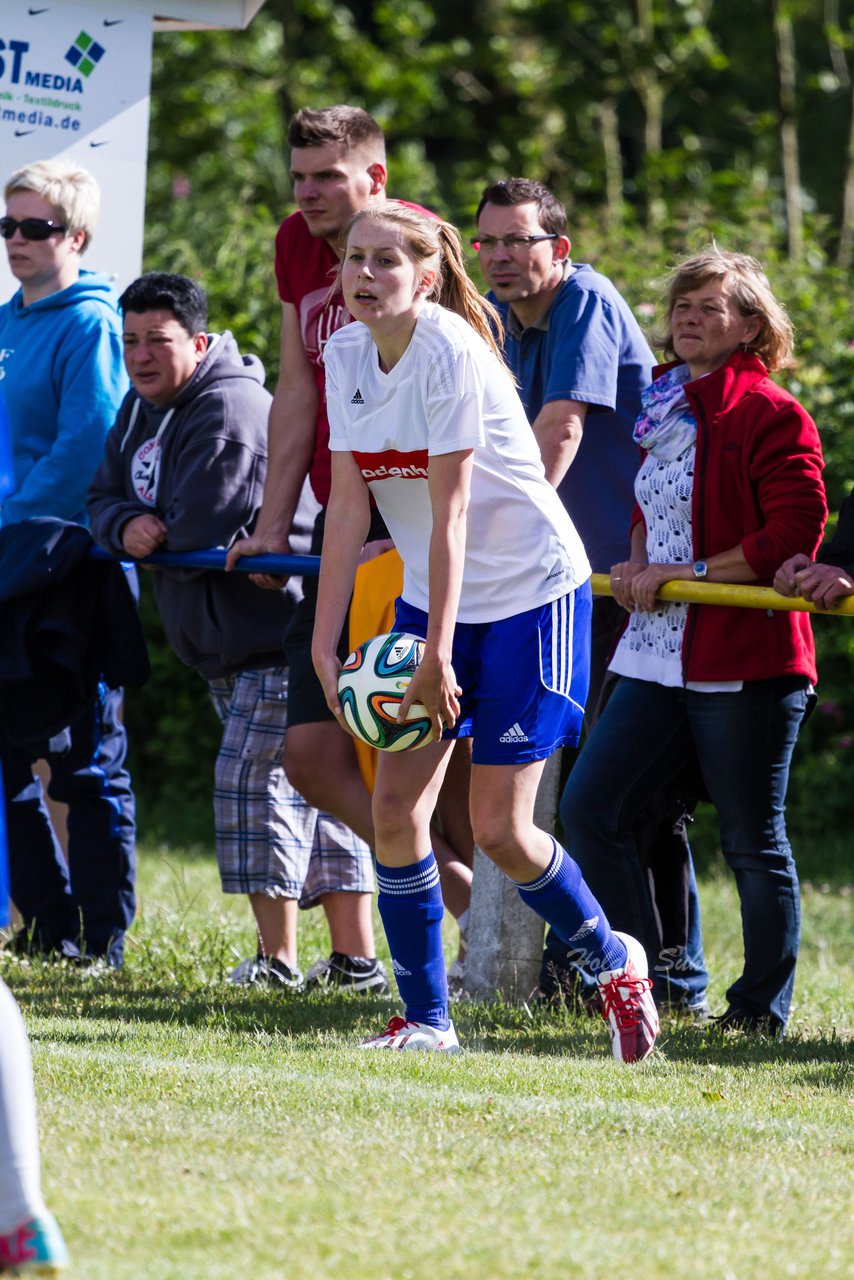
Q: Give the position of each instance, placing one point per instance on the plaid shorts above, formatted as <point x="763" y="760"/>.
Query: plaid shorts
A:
<point x="268" y="840"/>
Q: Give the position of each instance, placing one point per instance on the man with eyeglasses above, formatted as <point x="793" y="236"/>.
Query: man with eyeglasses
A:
<point x="581" y="362"/>
<point x="578" y="354"/>
<point x="63" y="378"/>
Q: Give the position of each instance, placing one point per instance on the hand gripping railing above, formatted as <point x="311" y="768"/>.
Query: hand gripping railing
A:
<point x="742" y="597"/>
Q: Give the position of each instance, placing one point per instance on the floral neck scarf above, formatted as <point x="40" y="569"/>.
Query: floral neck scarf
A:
<point x="666" y="426"/>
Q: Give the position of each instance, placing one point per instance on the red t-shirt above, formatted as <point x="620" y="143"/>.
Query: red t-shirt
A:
<point x="305" y="270"/>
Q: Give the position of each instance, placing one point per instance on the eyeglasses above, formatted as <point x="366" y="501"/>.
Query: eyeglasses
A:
<point x="488" y="244"/>
<point x="30" y="228"/>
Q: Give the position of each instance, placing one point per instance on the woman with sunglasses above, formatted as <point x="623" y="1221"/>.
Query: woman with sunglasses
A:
<point x="60" y="341"/>
<point x="63" y="377"/>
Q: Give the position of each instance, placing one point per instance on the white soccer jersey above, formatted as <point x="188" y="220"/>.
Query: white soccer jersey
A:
<point x="449" y="392"/>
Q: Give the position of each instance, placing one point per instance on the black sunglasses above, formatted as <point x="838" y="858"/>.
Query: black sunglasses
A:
<point x="30" y="228"/>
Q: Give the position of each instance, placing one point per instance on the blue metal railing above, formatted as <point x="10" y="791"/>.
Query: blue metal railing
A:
<point x="214" y="558"/>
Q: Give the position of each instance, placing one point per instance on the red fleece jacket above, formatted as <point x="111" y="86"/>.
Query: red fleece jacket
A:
<point x="757" y="483"/>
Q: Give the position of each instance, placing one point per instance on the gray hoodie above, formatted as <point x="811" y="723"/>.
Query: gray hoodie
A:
<point x="210" y="481"/>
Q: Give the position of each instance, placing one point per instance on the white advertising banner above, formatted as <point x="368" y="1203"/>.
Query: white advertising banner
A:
<point x="74" y="82"/>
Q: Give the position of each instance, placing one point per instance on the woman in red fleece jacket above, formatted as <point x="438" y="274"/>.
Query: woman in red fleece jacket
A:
<point x="730" y="486"/>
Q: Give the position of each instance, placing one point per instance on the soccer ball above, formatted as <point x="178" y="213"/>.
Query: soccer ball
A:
<point x="371" y="686"/>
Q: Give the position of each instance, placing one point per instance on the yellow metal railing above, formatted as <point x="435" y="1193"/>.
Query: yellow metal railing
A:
<point x="742" y="597"/>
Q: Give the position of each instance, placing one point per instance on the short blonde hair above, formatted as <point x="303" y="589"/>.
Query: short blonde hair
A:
<point x="749" y="288"/>
<point x="72" y="192"/>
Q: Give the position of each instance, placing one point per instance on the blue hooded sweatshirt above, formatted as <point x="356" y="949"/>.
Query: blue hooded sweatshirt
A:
<point x="63" y="379"/>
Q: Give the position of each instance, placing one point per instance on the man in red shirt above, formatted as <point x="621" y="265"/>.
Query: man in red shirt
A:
<point x="338" y="166"/>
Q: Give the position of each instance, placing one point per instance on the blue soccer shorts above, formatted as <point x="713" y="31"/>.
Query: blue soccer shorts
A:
<point x="524" y="679"/>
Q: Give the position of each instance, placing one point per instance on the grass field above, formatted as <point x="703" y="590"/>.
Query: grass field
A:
<point x="192" y="1132"/>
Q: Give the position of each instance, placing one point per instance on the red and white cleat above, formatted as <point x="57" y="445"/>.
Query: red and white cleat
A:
<point x="628" y="1006"/>
<point x="400" y="1034"/>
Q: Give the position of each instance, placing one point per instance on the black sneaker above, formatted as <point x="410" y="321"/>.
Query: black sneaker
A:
<point x="351" y="973"/>
<point x="266" y="971"/>
<point x="734" y="1019"/>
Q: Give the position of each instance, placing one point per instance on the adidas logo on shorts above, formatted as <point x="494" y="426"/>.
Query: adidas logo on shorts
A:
<point x="513" y="734"/>
<point x="357" y="398"/>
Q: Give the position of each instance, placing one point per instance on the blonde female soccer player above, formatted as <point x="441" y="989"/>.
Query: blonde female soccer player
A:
<point x="424" y="417"/>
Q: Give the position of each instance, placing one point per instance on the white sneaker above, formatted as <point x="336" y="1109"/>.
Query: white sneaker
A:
<point x="400" y="1034"/>
<point x="628" y="1006"/>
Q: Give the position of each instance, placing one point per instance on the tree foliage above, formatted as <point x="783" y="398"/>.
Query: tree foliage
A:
<point x="688" y="91"/>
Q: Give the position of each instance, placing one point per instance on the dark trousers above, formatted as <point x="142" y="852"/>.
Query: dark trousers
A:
<point x="89" y="903"/>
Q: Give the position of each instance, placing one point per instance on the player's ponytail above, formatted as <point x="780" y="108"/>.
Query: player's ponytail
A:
<point x="458" y="293"/>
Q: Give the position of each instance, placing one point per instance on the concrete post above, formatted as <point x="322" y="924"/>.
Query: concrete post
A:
<point x="506" y="937"/>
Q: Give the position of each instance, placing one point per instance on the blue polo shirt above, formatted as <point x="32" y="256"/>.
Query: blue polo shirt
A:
<point x="588" y="347"/>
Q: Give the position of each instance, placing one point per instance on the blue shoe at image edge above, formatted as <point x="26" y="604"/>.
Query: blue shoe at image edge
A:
<point x="34" y="1248"/>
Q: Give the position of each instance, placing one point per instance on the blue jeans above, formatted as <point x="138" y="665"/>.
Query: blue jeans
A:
<point x="90" y="902"/>
<point x="744" y="742"/>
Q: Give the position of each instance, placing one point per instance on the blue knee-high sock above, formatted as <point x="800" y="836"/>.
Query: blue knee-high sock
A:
<point x="410" y="904"/>
<point x="563" y="900"/>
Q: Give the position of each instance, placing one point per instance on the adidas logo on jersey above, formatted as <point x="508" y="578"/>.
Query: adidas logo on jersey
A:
<point x="514" y="734"/>
<point x="399" y="971"/>
<point x="357" y="398"/>
<point x="587" y="927"/>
